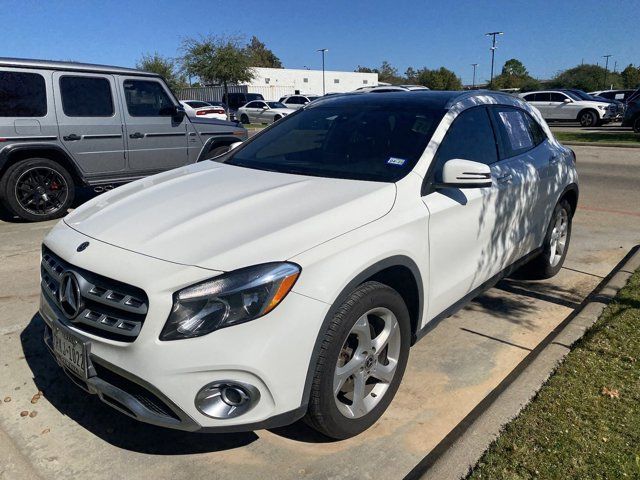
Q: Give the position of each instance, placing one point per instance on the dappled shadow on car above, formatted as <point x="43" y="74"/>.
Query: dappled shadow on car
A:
<point x="105" y="422"/>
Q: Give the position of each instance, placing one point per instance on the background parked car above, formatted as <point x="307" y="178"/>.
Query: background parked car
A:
<point x="620" y="95"/>
<point x="65" y="125"/>
<point x="235" y="100"/>
<point x="632" y="114"/>
<point x="263" y="112"/>
<point x="297" y="101"/>
<point x="198" y="108"/>
<point x="617" y="109"/>
<point x="392" y="88"/>
<point x="563" y="105"/>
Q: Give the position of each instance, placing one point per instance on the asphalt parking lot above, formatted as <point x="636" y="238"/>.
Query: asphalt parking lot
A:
<point x="450" y="371"/>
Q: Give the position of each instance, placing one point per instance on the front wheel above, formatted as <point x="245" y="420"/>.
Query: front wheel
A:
<point x="244" y="119"/>
<point x="555" y="246"/>
<point x="37" y="189"/>
<point x="362" y="360"/>
<point x="588" y="119"/>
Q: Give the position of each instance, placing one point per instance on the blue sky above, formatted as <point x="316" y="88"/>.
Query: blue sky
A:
<point x="546" y="35"/>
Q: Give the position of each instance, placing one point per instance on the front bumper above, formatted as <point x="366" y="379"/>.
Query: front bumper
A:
<point x="157" y="382"/>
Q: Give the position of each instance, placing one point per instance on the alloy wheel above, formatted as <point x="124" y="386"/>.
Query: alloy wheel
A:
<point x="559" y="236"/>
<point x="367" y="362"/>
<point x="41" y="190"/>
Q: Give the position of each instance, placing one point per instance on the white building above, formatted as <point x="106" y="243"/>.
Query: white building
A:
<point x="277" y="82"/>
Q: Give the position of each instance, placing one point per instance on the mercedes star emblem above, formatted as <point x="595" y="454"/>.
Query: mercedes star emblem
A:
<point x="69" y="295"/>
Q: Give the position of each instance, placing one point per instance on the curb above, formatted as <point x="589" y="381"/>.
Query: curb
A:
<point x="461" y="449"/>
<point x="602" y="144"/>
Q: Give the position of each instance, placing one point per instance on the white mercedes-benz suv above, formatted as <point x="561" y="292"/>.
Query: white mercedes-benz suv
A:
<point x="288" y="277"/>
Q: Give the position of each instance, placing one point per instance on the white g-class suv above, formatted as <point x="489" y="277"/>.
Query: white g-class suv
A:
<point x="288" y="277"/>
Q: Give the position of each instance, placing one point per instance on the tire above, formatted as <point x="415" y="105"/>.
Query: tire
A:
<point x="276" y="118"/>
<point x="244" y="119"/>
<point x="372" y="308"/>
<point x="588" y="118"/>
<point x="37" y="189"/>
<point x="544" y="265"/>
<point x="636" y="125"/>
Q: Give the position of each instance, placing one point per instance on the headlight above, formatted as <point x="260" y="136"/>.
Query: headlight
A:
<point x="230" y="299"/>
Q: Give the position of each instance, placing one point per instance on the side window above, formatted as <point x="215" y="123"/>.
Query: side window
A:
<point x="543" y="97"/>
<point x="147" y="99"/>
<point x="557" y="97"/>
<point x="470" y="137"/>
<point x="22" y="95"/>
<point x="251" y="105"/>
<point x="86" y="97"/>
<point x="530" y="98"/>
<point x="517" y="131"/>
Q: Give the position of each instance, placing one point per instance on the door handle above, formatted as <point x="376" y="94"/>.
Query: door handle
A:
<point x="505" y="178"/>
<point x="71" y="137"/>
<point x="136" y="135"/>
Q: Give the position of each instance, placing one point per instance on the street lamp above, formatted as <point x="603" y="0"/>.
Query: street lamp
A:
<point x="473" y="85"/>
<point x="606" y="70"/>
<point x="323" y="50"/>
<point x="493" y="53"/>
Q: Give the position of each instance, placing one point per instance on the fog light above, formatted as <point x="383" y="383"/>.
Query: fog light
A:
<point x="226" y="399"/>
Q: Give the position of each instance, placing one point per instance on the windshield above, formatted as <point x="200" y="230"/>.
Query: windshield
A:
<point x="573" y="95"/>
<point x="582" y="95"/>
<point x="377" y="143"/>
<point x="253" y="96"/>
<point x="276" y="105"/>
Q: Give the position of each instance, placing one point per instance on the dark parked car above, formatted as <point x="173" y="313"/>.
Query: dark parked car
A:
<point x="239" y="99"/>
<point x="632" y="115"/>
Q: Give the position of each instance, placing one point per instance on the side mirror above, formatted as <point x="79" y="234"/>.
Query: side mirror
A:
<point x="566" y="100"/>
<point x="265" y="107"/>
<point x="178" y="113"/>
<point x="458" y="173"/>
<point x="234" y="145"/>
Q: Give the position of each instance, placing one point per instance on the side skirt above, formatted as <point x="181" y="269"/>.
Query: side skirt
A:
<point x="474" y="293"/>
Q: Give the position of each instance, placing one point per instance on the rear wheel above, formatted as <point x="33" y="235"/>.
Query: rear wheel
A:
<point x="362" y="360"/>
<point x="588" y="118"/>
<point x="244" y="119"/>
<point x="555" y="246"/>
<point x="276" y="118"/>
<point x="37" y="189"/>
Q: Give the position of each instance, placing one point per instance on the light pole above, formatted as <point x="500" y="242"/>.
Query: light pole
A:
<point x="323" y="50"/>
<point x="493" y="53"/>
<point x="606" y="70"/>
<point x="473" y="84"/>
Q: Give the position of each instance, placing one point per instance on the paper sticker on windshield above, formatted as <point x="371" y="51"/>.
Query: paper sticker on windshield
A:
<point x="399" y="162"/>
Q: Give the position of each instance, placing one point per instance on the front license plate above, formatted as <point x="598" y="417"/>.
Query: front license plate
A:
<point x="71" y="351"/>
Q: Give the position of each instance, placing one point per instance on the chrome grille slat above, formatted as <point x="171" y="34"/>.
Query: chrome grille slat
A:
<point x="112" y="309"/>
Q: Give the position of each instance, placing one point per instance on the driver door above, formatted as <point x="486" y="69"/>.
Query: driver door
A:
<point x="469" y="229"/>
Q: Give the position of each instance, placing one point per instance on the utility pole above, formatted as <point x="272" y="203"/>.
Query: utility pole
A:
<point x="493" y="53"/>
<point x="323" y="50"/>
<point x="606" y="69"/>
<point x="473" y="84"/>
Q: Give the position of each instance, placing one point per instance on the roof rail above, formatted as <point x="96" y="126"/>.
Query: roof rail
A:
<point x="476" y="93"/>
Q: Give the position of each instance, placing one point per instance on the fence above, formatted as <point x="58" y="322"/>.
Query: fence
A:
<point x="214" y="94"/>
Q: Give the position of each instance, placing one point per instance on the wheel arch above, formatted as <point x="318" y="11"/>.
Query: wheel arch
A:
<point x="587" y="109"/>
<point x="571" y="194"/>
<point x="398" y="272"/>
<point x="13" y="154"/>
<point x="214" y="143"/>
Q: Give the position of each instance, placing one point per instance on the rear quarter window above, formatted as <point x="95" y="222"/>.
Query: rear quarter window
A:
<point x="517" y="131"/>
<point x="22" y="94"/>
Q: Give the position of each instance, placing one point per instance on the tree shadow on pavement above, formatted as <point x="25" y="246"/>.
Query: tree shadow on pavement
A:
<point x="105" y="422"/>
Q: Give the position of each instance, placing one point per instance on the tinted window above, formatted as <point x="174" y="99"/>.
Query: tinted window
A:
<point x="470" y="137"/>
<point x="531" y="97"/>
<point x="86" y="97"/>
<point x="293" y="100"/>
<point x="609" y="95"/>
<point x="379" y="143"/>
<point x="557" y="97"/>
<point x="515" y="132"/>
<point x="253" y="96"/>
<point x="543" y="97"/>
<point x="147" y="99"/>
<point x="22" y="95"/>
<point x="198" y="104"/>
<point x="251" y="105"/>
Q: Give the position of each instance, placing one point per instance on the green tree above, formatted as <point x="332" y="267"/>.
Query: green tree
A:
<point x="410" y="75"/>
<point x="361" y="69"/>
<point x="388" y="74"/>
<point x="165" y="67"/>
<point x="440" y="79"/>
<point x="586" y="77"/>
<point x="515" y="75"/>
<point x="631" y="77"/>
<point x="260" y="55"/>
<point x="221" y="60"/>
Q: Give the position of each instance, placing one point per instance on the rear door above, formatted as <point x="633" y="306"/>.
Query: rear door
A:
<point x="156" y="139"/>
<point x="90" y="121"/>
<point x="262" y="112"/>
<point x="524" y="145"/>
<point x="470" y="230"/>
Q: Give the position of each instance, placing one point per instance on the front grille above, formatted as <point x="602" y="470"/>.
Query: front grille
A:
<point x="109" y="308"/>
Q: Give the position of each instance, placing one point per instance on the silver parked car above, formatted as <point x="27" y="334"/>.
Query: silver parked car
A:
<point x="262" y="111"/>
<point x="65" y="125"/>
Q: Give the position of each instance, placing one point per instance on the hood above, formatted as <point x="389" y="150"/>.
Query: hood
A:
<point x="224" y="217"/>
